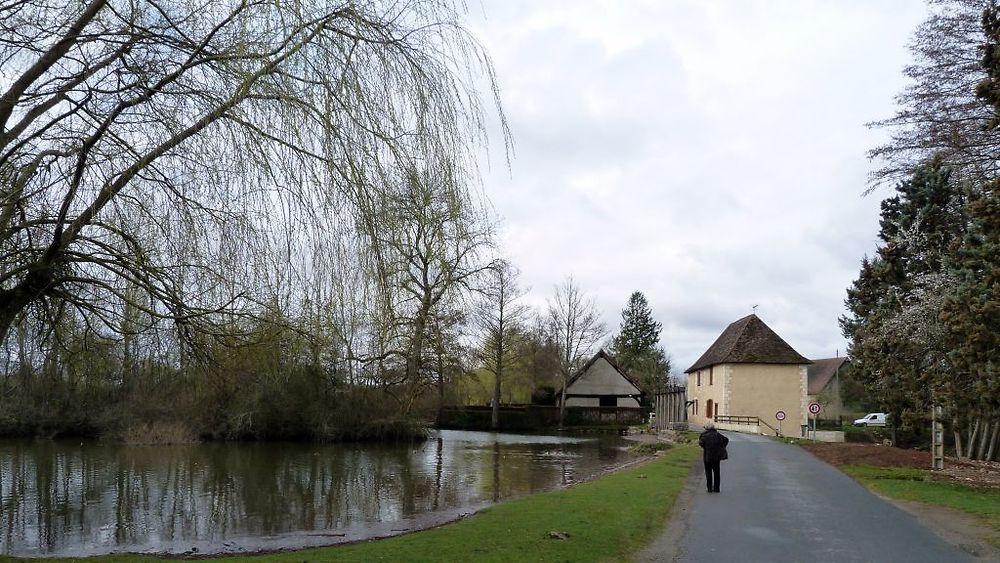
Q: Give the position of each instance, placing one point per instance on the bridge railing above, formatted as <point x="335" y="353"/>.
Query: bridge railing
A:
<point x="745" y="420"/>
<point x="731" y="419"/>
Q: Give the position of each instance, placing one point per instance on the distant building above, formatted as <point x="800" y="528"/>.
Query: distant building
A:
<point x="601" y="383"/>
<point x="749" y="371"/>
<point x="824" y="385"/>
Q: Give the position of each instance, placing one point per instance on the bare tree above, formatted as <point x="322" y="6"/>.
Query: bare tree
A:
<point x="156" y="145"/>
<point x="501" y="314"/>
<point x="428" y="246"/>
<point x="939" y="115"/>
<point x="576" y="328"/>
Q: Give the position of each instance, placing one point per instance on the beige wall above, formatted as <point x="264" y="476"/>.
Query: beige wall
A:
<point x="712" y="387"/>
<point x="601" y="379"/>
<point x="761" y="390"/>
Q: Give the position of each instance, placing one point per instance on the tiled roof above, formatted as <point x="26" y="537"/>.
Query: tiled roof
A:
<point x="748" y="341"/>
<point x="821" y="372"/>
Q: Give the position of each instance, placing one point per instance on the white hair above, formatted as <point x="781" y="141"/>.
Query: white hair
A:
<point x="710" y="426"/>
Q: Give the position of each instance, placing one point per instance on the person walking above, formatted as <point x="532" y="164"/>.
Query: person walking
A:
<point x="714" y="445"/>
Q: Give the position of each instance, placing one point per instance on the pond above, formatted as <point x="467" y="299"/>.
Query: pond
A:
<point x="76" y="499"/>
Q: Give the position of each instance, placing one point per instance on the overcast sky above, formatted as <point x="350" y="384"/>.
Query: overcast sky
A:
<point x="708" y="154"/>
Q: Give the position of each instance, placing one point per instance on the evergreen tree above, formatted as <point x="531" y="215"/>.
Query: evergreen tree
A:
<point x="988" y="89"/>
<point x="636" y="346"/>
<point x="899" y="346"/>
<point x="972" y="315"/>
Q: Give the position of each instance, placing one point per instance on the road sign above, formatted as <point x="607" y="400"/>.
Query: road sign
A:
<point x="780" y="415"/>
<point x="814" y="408"/>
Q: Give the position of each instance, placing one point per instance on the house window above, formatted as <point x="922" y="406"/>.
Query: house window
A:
<point x="608" y="401"/>
<point x="711" y="374"/>
<point x="699" y="378"/>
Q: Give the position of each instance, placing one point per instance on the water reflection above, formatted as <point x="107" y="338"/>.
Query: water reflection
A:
<point x="79" y="499"/>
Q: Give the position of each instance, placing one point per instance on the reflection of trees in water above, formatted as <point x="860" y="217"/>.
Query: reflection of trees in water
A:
<point x="57" y="497"/>
<point x="438" y="467"/>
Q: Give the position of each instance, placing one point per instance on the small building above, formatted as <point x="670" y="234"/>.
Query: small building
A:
<point x="601" y="383"/>
<point x="752" y="373"/>
<point x="824" y="386"/>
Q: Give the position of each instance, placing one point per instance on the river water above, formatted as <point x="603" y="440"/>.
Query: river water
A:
<point x="75" y="499"/>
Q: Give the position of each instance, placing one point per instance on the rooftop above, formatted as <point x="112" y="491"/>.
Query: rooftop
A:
<point x="748" y="341"/>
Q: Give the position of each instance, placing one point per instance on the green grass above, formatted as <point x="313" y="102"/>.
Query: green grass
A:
<point x="918" y="485"/>
<point x="649" y="448"/>
<point x="796" y="441"/>
<point x="607" y="519"/>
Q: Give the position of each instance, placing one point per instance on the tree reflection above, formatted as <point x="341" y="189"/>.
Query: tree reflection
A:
<point x="72" y="499"/>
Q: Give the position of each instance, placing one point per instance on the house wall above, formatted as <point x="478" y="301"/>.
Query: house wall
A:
<point x="713" y="386"/>
<point x="830" y="399"/>
<point x="601" y="379"/>
<point x="761" y="390"/>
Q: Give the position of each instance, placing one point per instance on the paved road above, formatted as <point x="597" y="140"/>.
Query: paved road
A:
<point x="781" y="504"/>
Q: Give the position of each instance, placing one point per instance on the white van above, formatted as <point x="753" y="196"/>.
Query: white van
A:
<point x="871" y="419"/>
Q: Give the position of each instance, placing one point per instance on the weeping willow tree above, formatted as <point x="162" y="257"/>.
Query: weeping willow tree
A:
<point x="176" y="161"/>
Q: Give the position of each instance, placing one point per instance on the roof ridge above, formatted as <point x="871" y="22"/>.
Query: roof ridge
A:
<point x="748" y="340"/>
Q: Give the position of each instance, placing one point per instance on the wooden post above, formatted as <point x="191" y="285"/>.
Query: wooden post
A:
<point x="937" y="439"/>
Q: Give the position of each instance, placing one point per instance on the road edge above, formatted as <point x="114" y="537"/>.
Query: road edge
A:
<point x="666" y="546"/>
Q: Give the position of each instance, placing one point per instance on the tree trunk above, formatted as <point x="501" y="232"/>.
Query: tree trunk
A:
<point x="971" y="442"/>
<point x="983" y="440"/>
<point x="440" y="385"/>
<point x="562" y="404"/>
<point x="993" y="442"/>
<point x="415" y="353"/>
<point x="14" y="300"/>
<point x="958" y="438"/>
<point x="495" y="419"/>
<point x="498" y="359"/>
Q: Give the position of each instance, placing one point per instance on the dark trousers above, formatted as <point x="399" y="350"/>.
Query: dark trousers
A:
<point x="712" y="477"/>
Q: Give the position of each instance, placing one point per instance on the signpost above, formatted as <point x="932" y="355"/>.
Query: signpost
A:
<point x="780" y="415"/>
<point x="814" y="409"/>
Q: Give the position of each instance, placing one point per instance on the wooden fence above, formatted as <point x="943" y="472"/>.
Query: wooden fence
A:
<point x="670" y="406"/>
<point x="537" y="417"/>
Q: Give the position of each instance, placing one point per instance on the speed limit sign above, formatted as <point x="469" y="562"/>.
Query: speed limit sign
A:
<point x="780" y="415"/>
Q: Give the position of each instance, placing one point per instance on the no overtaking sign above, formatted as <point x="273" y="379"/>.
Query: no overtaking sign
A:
<point x="814" y="408"/>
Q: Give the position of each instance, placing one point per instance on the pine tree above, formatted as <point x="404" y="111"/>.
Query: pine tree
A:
<point x="636" y="346"/>
<point x="972" y="313"/>
<point x="899" y="346"/>
<point x="988" y="89"/>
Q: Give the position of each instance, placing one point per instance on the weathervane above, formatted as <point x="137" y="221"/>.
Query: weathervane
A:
<point x="755" y="309"/>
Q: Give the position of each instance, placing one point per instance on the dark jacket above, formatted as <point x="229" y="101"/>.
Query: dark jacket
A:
<point x="714" y="445"/>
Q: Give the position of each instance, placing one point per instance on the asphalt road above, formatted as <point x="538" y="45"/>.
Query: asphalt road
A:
<point x="780" y="504"/>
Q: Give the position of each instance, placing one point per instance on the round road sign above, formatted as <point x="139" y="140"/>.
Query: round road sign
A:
<point x="780" y="415"/>
<point x="814" y="408"/>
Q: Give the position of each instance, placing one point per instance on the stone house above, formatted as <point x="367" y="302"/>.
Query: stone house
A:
<point x="752" y="373"/>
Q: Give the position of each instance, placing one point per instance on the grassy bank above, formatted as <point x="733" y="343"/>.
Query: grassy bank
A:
<point x="606" y="519"/>
<point x="916" y="485"/>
